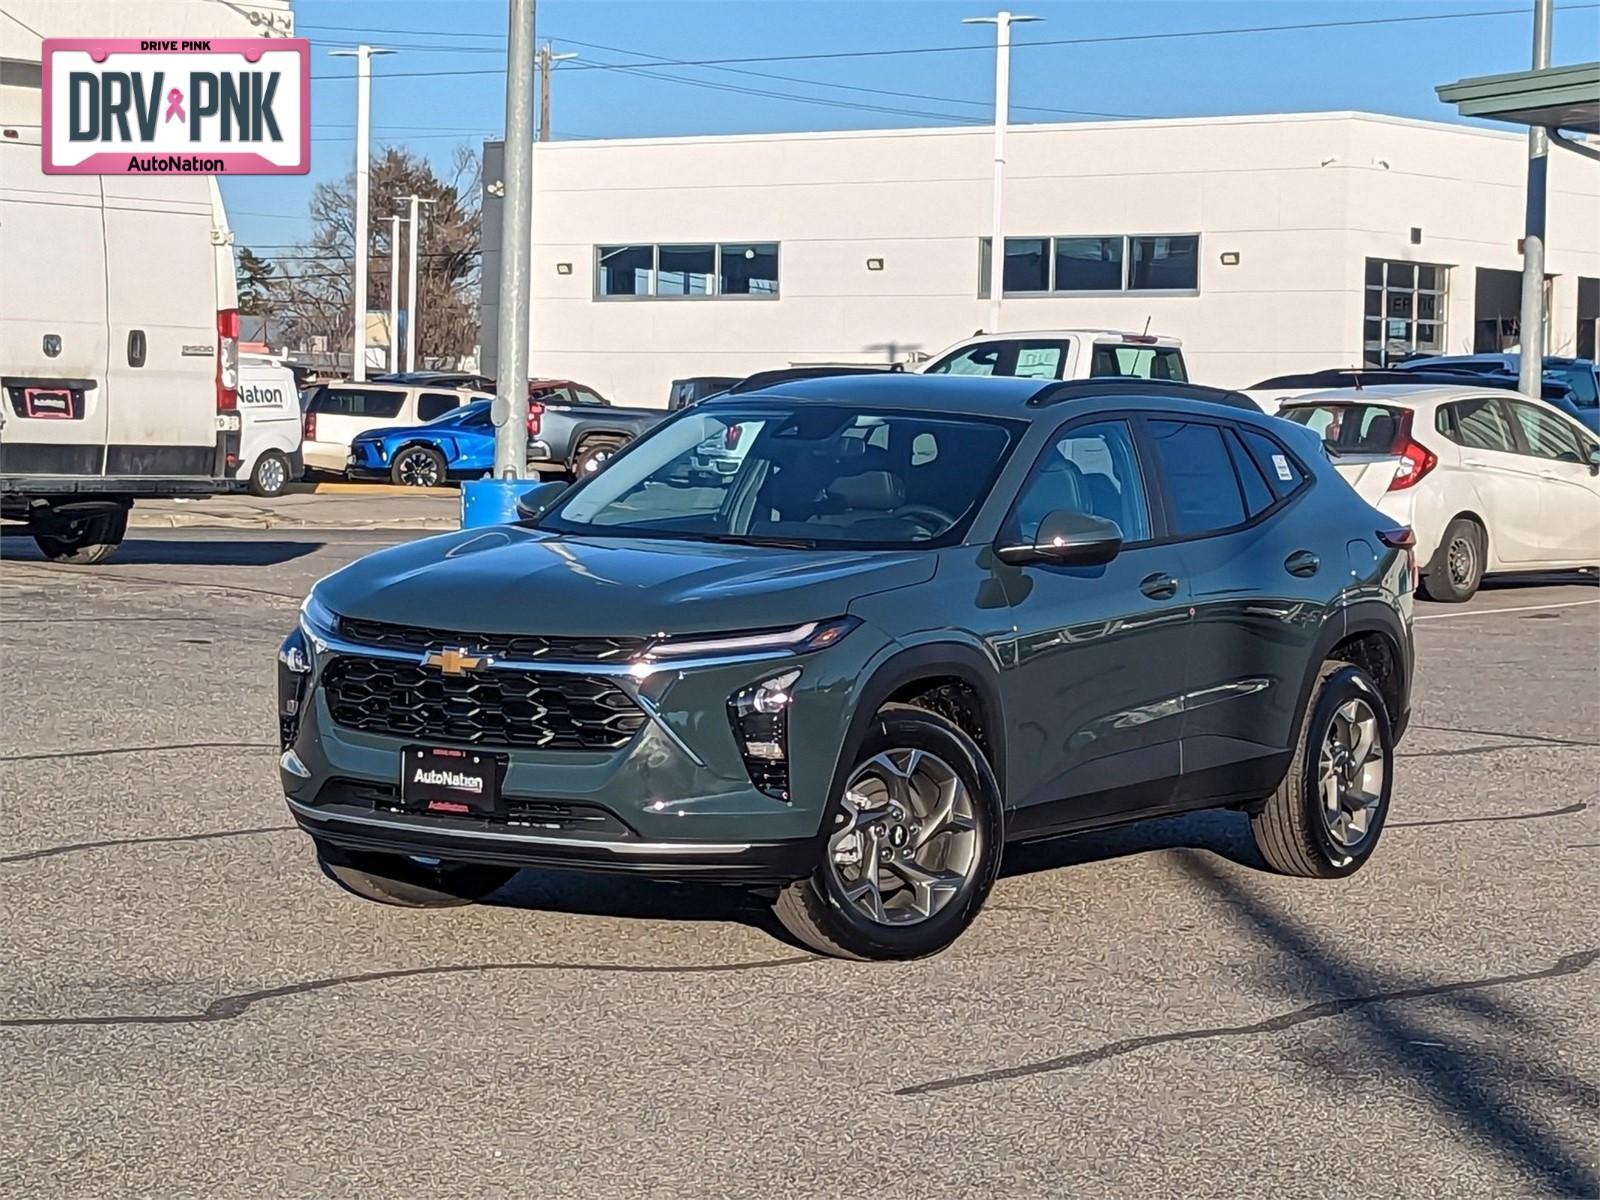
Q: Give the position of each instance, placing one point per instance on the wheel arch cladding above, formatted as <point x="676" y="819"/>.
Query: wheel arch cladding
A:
<point x="953" y="680"/>
<point x="1362" y="629"/>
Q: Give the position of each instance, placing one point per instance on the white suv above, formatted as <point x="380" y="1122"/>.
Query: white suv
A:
<point x="1489" y="480"/>
<point x="336" y="412"/>
<point x="1064" y="354"/>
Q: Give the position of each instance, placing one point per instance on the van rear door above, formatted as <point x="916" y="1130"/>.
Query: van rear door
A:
<point x="52" y="319"/>
<point x="161" y="290"/>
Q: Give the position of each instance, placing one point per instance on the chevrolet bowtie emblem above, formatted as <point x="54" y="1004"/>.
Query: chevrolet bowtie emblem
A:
<point x="452" y="662"/>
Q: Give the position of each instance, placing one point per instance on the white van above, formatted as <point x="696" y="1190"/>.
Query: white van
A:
<point x="118" y="348"/>
<point x="269" y="440"/>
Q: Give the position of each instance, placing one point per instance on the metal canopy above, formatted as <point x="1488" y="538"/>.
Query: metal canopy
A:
<point x="1553" y="98"/>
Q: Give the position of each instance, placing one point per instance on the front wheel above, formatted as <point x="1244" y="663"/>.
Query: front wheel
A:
<point x="410" y="882"/>
<point x="594" y="455"/>
<point x="418" y="466"/>
<point x="913" y="846"/>
<point x="84" y="540"/>
<point x="1324" y="820"/>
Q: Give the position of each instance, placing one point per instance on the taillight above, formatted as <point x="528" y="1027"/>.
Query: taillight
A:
<point x="1416" y="460"/>
<point x="227" y="359"/>
<point x="311" y="427"/>
<point x="535" y="416"/>
<point x="1402" y="537"/>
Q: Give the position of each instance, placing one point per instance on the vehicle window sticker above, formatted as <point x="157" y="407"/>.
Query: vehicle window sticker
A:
<point x="1281" y="465"/>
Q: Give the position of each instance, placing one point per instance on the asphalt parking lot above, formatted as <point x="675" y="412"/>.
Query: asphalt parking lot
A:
<point x="189" y="1008"/>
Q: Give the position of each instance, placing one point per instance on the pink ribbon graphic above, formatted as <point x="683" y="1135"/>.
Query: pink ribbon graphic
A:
<point x="175" y="105"/>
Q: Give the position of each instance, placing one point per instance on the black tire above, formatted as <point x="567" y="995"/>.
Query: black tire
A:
<point x="592" y="455"/>
<point x="85" y="540"/>
<point x="1290" y="829"/>
<point x="1454" y="572"/>
<point x="814" y="910"/>
<point x="270" y="474"/>
<point x="418" y="466"/>
<point x="405" y="882"/>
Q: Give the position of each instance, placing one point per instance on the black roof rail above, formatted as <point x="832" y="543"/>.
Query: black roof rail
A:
<point x="1077" y="389"/>
<point x="764" y="379"/>
<point x="1345" y="377"/>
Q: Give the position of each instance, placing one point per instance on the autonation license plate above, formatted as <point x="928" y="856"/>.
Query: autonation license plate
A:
<point x="453" y="783"/>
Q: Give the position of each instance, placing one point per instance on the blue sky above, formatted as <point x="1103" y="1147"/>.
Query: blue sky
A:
<point x="444" y="87"/>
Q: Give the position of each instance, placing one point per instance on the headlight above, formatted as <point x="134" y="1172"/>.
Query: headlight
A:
<point x="800" y="639"/>
<point x="317" y="619"/>
<point x="760" y="718"/>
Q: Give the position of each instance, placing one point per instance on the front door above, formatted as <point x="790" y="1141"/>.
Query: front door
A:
<point x="1094" y="693"/>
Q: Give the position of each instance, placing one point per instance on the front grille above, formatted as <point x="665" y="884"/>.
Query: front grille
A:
<point x="488" y="708"/>
<point x="540" y="816"/>
<point x="516" y="646"/>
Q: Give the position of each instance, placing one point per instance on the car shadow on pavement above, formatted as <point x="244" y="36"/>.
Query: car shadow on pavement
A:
<point x="146" y="551"/>
<point x="580" y="894"/>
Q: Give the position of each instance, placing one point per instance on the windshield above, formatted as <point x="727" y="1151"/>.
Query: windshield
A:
<point x="1350" y="428"/>
<point x="781" y="473"/>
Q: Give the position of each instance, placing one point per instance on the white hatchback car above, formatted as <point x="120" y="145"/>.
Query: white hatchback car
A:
<point x="1489" y="480"/>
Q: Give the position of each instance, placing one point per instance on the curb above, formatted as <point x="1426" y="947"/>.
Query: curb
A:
<point x="364" y="489"/>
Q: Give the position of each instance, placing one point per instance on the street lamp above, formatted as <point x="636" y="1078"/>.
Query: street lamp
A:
<point x="411" y="277"/>
<point x="1002" y="22"/>
<point x="363" y="56"/>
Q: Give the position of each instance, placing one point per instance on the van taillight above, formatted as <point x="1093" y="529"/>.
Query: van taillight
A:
<point x="227" y="360"/>
<point x="1416" y="460"/>
<point x="311" y="427"/>
<point x="535" y="417"/>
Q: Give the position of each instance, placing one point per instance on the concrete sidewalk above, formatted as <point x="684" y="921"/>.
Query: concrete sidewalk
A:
<point x="346" y="506"/>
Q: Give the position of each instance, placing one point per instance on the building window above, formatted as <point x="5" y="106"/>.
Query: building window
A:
<point x="679" y="271"/>
<point x="1405" y="311"/>
<point x="1110" y="263"/>
<point x="624" y="270"/>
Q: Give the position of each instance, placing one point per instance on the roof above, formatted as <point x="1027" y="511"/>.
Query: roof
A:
<point x="1006" y="334"/>
<point x="1400" y="395"/>
<point x="1549" y="97"/>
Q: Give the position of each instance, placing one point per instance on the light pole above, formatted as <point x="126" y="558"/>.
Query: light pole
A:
<point x="411" y="278"/>
<point x="1530" y="364"/>
<point x="547" y="62"/>
<point x="358" y="288"/>
<point x="510" y="409"/>
<point x="1002" y="22"/>
<point x="394" y="291"/>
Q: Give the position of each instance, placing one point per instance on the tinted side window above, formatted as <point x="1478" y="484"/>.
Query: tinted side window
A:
<point x="1479" y="424"/>
<point x="1282" y="473"/>
<point x="356" y="402"/>
<point x="585" y="396"/>
<point x="1200" y="479"/>
<point x="1091" y="469"/>
<point x="1547" y="435"/>
<point x="1258" y="497"/>
<point x="436" y="404"/>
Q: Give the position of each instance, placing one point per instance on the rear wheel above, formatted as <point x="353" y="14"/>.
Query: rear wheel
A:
<point x="410" y="882"/>
<point x="1456" y="568"/>
<point x="913" y="847"/>
<point x="84" y="540"/>
<point x="593" y="455"/>
<point x="270" y="475"/>
<point x="418" y="466"/>
<point x="1324" y="820"/>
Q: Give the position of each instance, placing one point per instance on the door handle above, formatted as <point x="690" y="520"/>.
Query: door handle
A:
<point x="136" y="347"/>
<point x="1159" y="586"/>
<point x="1302" y="563"/>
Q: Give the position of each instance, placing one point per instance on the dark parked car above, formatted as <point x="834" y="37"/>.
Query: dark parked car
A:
<point x="573" y="429"/>
<point x="926" y="617"/>
<point x="696" y="388"/>
<point x="1579" y="378"/>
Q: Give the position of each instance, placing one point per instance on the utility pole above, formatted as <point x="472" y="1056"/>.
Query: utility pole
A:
<point x="510" y="409"/>
<point x="1530" y="364"/>
<point x="358" y="287"/>
<point x="411" y="277"/>
<point x="547" y="62"/>
<point x="1002" y="22"/>
<point x="394" y="292"/>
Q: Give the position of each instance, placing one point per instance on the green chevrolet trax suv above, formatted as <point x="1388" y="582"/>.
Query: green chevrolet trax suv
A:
<point x="842" y="640"/>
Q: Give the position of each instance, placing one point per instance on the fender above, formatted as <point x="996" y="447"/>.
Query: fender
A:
<point x="1364" y="616"/>
<point x="930" y="661"/>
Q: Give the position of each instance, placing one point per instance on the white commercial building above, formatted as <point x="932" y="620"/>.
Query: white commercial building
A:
<point x="1267" y="243"/>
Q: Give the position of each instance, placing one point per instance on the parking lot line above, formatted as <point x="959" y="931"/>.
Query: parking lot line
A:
<point x="1488" y="612"/>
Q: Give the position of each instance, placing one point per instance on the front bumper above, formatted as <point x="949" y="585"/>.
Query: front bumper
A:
<point x="676" y="801"/>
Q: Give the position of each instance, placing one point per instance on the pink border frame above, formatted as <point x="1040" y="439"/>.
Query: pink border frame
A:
<point x="242" y="163"/>
<point x="27" y="403"/>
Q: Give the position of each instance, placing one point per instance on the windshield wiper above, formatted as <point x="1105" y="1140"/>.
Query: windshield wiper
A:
<point x="734" y="539"/>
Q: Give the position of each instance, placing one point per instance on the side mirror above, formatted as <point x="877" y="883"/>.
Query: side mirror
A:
<point x="1067" y="539"/>
<point x="537" y="501"/>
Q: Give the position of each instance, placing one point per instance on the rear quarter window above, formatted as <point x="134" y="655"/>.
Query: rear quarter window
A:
<point x="1278" y="467"/>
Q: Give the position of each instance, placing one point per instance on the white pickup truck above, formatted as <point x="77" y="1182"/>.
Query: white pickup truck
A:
<point x="118" y="348"/>
<point x="1064" y="354"/>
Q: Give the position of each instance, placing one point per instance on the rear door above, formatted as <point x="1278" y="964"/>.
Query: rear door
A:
<point x="1569" y="529"/>
<point x="161" y="289"/>
<point x="1506" y="482"/>
<point x="344" y="410"/>
<point x="52" y="319"/>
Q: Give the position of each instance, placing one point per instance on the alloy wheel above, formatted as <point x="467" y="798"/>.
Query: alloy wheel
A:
<point x="906" y="841"/>
<point x="418" y="469"/>
<point x="1351" y="773"/>
<point x="594" y="461"/>
<point x="270" y="475"/>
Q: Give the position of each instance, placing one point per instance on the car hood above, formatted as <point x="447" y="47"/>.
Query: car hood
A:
<point x="513" y="580"/>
